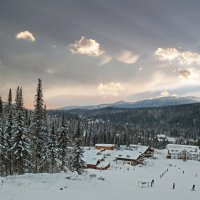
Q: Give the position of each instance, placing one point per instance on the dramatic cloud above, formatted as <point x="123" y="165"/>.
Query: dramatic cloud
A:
<point x="165" y="94"/>
<point x="127" y="57"/>
<point x="189" y="73"/>
<point x="25" y="35"/>
<point x="183" y="57"/>
<point x="112" y="88"/>
<point x="86" y="46"/>
<point x="105" y="59"/>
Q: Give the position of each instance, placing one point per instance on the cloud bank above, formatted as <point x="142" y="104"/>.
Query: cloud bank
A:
<point x="112" y="88"/>
<point x="182" y="57"/>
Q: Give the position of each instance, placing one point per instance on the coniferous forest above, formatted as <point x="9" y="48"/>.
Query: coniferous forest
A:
<point x="49" y="141"/>
<point x="31" y="142"/>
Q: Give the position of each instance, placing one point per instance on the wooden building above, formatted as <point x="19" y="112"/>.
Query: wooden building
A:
<point x="185" y="152"/>
<point x="105" y="146"/>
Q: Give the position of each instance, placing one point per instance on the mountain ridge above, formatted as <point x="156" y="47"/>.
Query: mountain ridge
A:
<point x="156" y="102"/>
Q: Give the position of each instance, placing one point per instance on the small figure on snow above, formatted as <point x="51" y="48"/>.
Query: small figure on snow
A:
<point x="152" y="182"/>
<point x="183" y="172"/>
<point x="173" y="187"/>
<point x="193" y="187"/>
<point x="195" y="175"/>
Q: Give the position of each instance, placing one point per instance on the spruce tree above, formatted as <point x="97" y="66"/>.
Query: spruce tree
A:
<point x="77" y="152"/>
<point x="63" y="142"/>
<point x="10" y="98"/>
<point x="39" y="133"/>
<point x="1" y="109"/>
<point x="8" y="133"/>
<point x="20" y="149"/>
<point x="2" y="152"/>
<point x="52" y="147"/>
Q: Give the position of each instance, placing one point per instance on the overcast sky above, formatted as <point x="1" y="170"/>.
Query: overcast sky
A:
<point x="100" y="51"/>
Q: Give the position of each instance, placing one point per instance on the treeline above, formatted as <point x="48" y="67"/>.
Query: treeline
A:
<point x="132" y="126"/>
<point x="32" y="142"/>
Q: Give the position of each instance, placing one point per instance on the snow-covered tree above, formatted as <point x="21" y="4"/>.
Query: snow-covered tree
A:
<point x="8" y="135"/>
<point x="2" y="152"/>
<point x="77" y="151"/>
<point x="20" y="149"/>
<point x="63" y="142"/>
<point x="53" y="151"/>
<point x="39" y="133"/>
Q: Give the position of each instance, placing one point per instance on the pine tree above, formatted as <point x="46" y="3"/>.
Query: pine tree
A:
<point x="39" y="133"/>
<point x="20" y="149"/>
<point x="10" y="98"/>
<point x="63" y="141"/>
<point x="8" y="133"/>
<point x="77" y="152"/>
<point x="1" y="109"/>
<point x="52" y="147"/>
<point x="2" y="152"/>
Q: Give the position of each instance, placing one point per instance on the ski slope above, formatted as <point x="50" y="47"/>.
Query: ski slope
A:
<point x="119" y="182"/>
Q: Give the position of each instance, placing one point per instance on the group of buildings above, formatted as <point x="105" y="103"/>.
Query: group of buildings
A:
<point x="98" y="158"/>
<point x="102" y="155"/>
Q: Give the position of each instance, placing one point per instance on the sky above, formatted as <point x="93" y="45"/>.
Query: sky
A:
<point x="93" y="52"/>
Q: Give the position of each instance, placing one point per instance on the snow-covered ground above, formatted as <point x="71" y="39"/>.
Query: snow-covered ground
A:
<point x="118" y="182"/>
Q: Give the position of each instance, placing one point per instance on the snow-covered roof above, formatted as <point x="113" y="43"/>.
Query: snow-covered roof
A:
<point x="162" y="136"/>
<point x="128" y="154"/>
<point x="104" y="145"/>
<point x="141" y="149"/>
<point x="103" y="164"/>
<point x="91" y="157"/>
<point x="175" y="148"/>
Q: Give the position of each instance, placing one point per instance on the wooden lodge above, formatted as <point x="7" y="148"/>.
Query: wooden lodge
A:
<point x="105" y="146"/>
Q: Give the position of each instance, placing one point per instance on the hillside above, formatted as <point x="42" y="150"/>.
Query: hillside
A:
<point x="118" y="182"/>
<point x="168" y="117"/>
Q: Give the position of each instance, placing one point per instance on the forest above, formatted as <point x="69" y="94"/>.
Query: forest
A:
<point x="42" y="140"/>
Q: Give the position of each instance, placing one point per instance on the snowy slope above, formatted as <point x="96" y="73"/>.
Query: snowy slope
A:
<point x="120" y="183"/>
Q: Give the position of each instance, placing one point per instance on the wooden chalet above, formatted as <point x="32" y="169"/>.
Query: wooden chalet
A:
<point x="95" y="160"/>
<point x="105" y="146"/>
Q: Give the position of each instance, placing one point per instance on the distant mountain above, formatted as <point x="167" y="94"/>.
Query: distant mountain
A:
<point x="157" y="102"/>
<point x="92" y="107"/>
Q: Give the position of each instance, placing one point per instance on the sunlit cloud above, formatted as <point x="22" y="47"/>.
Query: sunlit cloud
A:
<point x="127" y="57"/>
<point x="105" y="59"/>
<point x="87" y="47"/>
<point x="25" y="35"/>
<point x="189" y="73"/>
<point x="165" y="94"/>
<point x="182" y="57"/>
<point x="112" y="88"/>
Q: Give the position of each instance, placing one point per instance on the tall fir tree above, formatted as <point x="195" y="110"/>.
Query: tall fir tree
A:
<point x="39" y="133"/>
<point x="20" y="149"/>
<point x="2" y="152"/>
<point x="77" y="151"/>
<point x="8" y="132"/>
<point x="63" y="142"/>
<point x="1" y="109"/>
<point x="10" y="97"/>
<point x="53" y="152"/>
